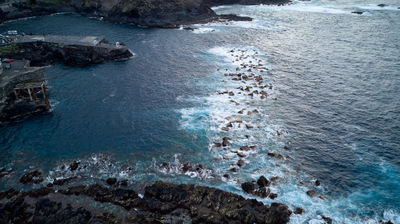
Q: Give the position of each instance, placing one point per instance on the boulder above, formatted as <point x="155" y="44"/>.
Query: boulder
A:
<point x="263" y="182"/>
<point x="241" y="163"/>
<point x="248" y="187"/>
<point x="298" y="211"/>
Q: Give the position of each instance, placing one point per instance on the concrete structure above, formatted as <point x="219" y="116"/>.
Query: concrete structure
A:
<point x="22" y="90"/>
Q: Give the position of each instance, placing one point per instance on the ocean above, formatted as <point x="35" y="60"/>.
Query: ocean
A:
<point x="331" y="111"/>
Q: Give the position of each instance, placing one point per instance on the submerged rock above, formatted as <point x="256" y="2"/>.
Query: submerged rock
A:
<point x="35" y="177"/>
<point x="311" y="193"/>
<point x="298" y="211"/>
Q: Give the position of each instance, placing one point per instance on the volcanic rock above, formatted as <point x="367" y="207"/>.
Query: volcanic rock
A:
<point x="263" y="182"/>
<point x="32" y="177"/>
<point x="241" y="163"/>
<point x="248" y="187"/>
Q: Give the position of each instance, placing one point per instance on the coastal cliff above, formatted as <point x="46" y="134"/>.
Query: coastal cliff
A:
<point x="149" y="13"/>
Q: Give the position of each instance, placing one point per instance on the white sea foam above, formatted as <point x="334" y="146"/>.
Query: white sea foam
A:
<point x="215" y="109"/>
<point x="204" y="30"/>
<point x="255" y="24"/>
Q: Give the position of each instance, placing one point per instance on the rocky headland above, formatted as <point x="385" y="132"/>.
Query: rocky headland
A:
<point x="159" y="203"/>
<point x="149" y="13"/>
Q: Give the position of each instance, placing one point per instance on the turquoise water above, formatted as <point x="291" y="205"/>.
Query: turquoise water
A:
<point x="335" y="76"/>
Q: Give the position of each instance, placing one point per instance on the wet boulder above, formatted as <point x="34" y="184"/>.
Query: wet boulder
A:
<point x="225" y="141"/>
<point x="248" y="187"/>
<point x="262" y="192"/>
<point x="263" y="182"/>
<point x="273" y="195"/>
<point x="241" y="163"/>
<point x="311" y="193"/>
<point x="298" y="211"/>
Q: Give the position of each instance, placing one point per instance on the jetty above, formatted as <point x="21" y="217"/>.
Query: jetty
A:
<point x="44" y="50"/>
<point x="23" y="90"/>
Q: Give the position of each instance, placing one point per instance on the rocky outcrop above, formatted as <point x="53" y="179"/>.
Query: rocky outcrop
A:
<point x="42" y="53"/>
<point x="150" y="13"/>
<point x="161" y="203"/>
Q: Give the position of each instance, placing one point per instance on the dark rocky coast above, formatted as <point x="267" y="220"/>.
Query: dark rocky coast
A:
<point x="161" y="203"/>
<point x="153" y="13"/>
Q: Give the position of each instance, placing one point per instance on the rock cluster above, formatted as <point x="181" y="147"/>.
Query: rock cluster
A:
<point x="259" y="188"/>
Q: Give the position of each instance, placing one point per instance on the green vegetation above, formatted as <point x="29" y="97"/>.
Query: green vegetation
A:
<point x="8" y="49"/>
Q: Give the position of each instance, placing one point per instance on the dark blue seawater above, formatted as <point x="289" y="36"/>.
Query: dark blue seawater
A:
<point x="336" y="77"/>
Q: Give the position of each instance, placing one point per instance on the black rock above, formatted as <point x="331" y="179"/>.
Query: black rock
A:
<point x="317" y="183"/>
<point x="311" y="193"/>
<point x="248" y="187"/>
<point x="111" y="181"/>
<point x="273" y="195"/>
<point x="327" y="219"/>
<point x="241" y="163"/>
<point x="49" y="212"/>
<point x="74" y="165"/>
<point x="188" y="28"/>
<point x="263" y="182"/>
<point x="225" y="141"/>
<point x="298" y="211"/>
<point x="234" y="169"/>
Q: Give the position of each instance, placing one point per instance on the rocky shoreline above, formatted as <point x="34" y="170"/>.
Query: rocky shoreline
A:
<point x="161" y="203"/>
<point x="153" y="13"/>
